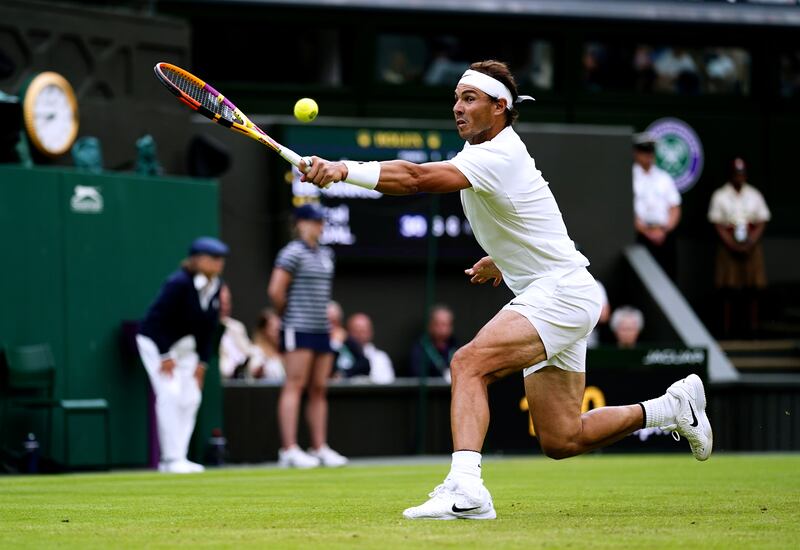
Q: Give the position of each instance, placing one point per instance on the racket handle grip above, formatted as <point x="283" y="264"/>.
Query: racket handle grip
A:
<point x="294" y="158"/>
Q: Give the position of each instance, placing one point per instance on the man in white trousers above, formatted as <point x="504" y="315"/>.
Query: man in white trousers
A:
<point x="175" y="340"/>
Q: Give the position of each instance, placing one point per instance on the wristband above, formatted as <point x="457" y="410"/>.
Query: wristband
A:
<point x="363" y="174"/>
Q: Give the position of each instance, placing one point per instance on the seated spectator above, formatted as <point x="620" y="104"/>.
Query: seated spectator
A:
<point x="266" y="337"/>
<point x="399" y="70"/>
<point x="444" y="68"/>
<point x="335" y="318"/>
<point x="367" y="360"/>
<point x="432" y="353"/>
<point x="644" y="72"/>
<point x="235" y="348"/>
<point x="239" y="357"/>
<point x="677" y="72"/>
<point x="627" y="323"/>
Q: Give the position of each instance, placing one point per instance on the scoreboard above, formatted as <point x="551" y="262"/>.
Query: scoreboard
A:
<point x="365" y="225"/>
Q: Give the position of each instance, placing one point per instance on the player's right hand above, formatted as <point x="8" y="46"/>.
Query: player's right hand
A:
<point x="323" y="172"/>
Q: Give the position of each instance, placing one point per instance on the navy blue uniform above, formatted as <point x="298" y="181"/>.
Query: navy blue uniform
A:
<point x="177" y="312"/>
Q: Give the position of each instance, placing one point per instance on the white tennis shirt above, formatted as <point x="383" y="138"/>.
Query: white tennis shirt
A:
<point x="513" y="213"/>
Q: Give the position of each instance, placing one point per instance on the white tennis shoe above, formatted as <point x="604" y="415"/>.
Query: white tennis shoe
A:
<point x="295" y="457"/>
<point x="328" y="457"/>
<point x="455" y="499"/>
<point x="180" y="467"/>
<point x="691" y="421"/>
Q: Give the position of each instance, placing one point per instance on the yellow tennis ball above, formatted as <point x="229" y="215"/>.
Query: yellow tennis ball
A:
<point x="306" y="109"/>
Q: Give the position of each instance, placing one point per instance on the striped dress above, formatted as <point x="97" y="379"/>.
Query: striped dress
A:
<point x="312" y="272"/>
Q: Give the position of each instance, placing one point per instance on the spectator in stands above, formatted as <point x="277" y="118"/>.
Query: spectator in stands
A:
<point x="722" y="72"/>
<point x="643" y="70"/>
<point x="433" y="352"/>
<point x="399" y="70"/>
<point x="677" y="72"/>
<point x="266" y="337"/>
<point x="594" y="61"/>
<point x="300" y="289"/>
<point x="656" y="204"/>
<point x="175" y="341"/>
<point x="444" y="68"/>
<point x="739" y="214"/>
<point x="235" y="347"/>
<point x="336" y="320"/>
<point x="379" y="367"/>
<point x="627" y="323"/>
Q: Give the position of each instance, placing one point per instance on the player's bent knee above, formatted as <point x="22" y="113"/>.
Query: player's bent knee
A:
<point x="558" y="448"/>
<point x="465" y="362"/>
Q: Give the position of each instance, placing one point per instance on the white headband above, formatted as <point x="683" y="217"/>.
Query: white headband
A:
<point x="491" y="86"/>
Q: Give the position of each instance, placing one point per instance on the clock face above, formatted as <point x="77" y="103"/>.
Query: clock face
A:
<point x="53" y="118"/>
<point x="51" y="114"/>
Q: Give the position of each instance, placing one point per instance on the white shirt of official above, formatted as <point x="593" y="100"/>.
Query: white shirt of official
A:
<point x="729" y="207"/>
<point x="513" y="213"/>
<point x="654" y="193"/>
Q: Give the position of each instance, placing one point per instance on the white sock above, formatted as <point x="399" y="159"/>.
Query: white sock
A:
<point x="466" y="464"/>
<point x="660" y="411"/>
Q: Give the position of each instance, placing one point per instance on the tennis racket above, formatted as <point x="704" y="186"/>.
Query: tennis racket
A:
<point x="207" y="101"/>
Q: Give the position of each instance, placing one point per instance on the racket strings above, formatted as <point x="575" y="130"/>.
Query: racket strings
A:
<point x="202" y="96"/>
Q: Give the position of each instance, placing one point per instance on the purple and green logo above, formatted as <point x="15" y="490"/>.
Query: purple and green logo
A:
<point x="678" y="151"/>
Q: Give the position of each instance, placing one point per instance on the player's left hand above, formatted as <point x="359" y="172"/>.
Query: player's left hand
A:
<point x="483" y="270"/>
<point x="323" y="173"/>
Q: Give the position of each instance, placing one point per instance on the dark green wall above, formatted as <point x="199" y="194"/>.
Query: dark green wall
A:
<point x="71" y="278"/>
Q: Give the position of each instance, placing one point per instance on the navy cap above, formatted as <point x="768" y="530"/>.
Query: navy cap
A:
<point x="309" y="211"/>
<point x="208" y="245"/>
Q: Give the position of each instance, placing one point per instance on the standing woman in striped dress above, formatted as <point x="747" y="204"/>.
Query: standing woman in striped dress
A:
<point x="300" y="289"/>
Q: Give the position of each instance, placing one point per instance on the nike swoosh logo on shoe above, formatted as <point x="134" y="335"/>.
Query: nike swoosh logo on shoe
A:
<point x="694" y="418"/>
<point x="458" y="510"/>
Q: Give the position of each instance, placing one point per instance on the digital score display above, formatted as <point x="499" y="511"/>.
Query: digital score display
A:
<point x="366" y="225"/>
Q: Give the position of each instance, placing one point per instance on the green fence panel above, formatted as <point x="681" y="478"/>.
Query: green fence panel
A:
<point x="89" y="252"/>
<point x="32" y="276"/>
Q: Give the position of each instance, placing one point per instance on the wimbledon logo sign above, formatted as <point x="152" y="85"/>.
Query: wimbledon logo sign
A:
<point x="678" y="151"/>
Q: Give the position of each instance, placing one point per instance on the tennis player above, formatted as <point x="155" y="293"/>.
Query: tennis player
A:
<point x="543" y="330"/>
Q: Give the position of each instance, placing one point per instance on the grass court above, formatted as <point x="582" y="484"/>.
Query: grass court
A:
<point x="599" y="501"/>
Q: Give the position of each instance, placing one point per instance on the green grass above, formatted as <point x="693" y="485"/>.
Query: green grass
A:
<point x="732" y="501"/>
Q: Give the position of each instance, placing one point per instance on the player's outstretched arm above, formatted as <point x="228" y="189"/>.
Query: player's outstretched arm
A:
<point x="392" y="177"/>
<point x="400" y="177"/>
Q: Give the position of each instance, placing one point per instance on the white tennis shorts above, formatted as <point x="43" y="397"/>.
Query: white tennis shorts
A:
<point x="563" y="309"/>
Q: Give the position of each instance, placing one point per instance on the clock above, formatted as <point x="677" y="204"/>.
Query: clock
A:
<point x="50" y="113"/>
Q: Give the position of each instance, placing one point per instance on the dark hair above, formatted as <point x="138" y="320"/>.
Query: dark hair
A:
<point x="500" y="71"/>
